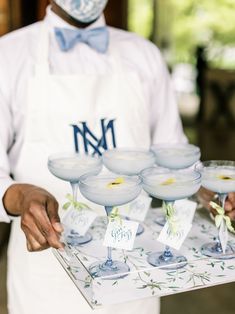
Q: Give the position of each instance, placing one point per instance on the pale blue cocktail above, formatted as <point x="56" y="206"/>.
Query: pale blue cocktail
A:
<point x="110" y="191"/>
<point x="127" y="161"/>
<point x="169" y="185"/>
<point x="219" y="177"/>
<point x="175" y="156"/>
<point x="70" y="167"/>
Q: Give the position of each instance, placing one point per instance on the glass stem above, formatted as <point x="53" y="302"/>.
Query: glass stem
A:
<point x="74" y="186"/>
<point x="222" y="199"/>
<point x="109" y="261"/>
<point x="167" y="254"/>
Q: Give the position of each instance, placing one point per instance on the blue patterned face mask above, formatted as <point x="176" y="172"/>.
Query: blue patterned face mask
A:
<point x="84" y="11"/>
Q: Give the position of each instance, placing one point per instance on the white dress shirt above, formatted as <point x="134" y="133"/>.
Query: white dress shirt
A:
<point x="17" y="57"/>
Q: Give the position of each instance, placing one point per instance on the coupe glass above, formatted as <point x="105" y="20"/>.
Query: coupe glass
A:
<point x="70" y="167"/>
<point x="103" y="190"/>
<point x="219" y="177"/>
<point x="130" y="162"/>
<point x="175" y="156"/>
<point x="169" y="186"/>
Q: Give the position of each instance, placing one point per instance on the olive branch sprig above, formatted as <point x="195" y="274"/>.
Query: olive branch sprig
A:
<point x="221" y="216"/>
<point x="170" y="217"/>
<point x="74" y="204"/>
<point x="115" y="216"/>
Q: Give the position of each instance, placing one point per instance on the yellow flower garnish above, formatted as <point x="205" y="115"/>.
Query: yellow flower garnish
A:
<point x="116" y="182"/>
<point x="223" y="177"/>
<point x="168" y="181"/>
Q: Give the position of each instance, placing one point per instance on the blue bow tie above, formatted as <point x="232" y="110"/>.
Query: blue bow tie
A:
<point x="96" y="38"/>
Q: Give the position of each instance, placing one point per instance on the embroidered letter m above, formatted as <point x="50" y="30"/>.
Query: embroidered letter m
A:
<point x="85" y="140"/>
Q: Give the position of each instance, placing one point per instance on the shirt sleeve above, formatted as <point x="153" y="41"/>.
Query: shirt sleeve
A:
<point x="6" y="135"/>
<point x="166" y="125"/>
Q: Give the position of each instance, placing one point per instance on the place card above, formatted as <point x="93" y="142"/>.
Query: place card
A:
<point x="121" y="234"/>
<point x="223" y="235"/>
<point x="137" y="209"/>
<point x="79" y="220"/>
<point x="185" y="209"/>
<point x="176" y="239"/>
<point x="177" y="228"/>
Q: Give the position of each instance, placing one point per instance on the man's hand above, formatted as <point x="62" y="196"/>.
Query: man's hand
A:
<point x="39" y="215"/>
<point x="205" y="196"/>
<point x="230" y="205"/>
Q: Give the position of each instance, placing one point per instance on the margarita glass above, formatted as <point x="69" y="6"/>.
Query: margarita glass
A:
<point x="70" y="167"/>
<point x="219" y="177"/>
<point x="110" y="191"/>
<point x="175" y="156"/>
<point x="128" y="162"/>
<point x="169" y="186"/>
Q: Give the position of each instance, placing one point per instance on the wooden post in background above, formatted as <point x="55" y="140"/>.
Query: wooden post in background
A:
<point x="4" y="17"/>
<point x="15" y="14"/>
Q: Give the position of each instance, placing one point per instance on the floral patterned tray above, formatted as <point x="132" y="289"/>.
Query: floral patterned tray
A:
<point x="145" y="280"/>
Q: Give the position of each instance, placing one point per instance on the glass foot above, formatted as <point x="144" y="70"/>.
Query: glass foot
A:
<point x="116" y="270"/>
<point x="161" y="221"/>
<point x="74" y="239"/>
<point x="158" y="259"/>
<point x="213" y="249"/>
<point x="140" y="230"/>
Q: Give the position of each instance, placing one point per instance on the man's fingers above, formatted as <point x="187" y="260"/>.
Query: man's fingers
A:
<point x="29" y="247"/>
<point x="35" y="239"/>
<point x="231" y="215"/>
<point x="44" y="225"/>
<point x="228" y="206"/>
<point x="231" y="198"/>
<point x="52" y="211"/>
<point x="33" y="245"/>
<point x="33" y="230"/>
<point x="205" y="196"/>
<point x="213" y="211"/>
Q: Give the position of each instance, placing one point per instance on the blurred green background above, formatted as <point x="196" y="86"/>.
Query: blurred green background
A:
<point x="179" y="26"/>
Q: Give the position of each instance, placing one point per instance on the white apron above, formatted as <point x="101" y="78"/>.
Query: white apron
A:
<point x="86" y="112"/>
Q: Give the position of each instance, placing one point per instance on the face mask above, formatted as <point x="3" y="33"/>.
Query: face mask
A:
<point x="84" y="11"/>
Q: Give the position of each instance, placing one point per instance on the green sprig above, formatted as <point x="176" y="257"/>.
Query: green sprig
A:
<point x="114" y="215"/>
<point x="170" y="217"/>
<point x="74" y="204"/>
<point x="221" y="216"/>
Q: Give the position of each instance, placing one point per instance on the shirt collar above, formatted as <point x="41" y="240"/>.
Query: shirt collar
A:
<point x="53" y="20"/>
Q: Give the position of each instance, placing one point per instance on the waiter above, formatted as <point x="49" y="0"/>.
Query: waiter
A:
<point x="69" y="83"/>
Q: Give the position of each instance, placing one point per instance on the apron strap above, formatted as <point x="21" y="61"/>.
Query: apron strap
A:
<point x="42" y="59"/>
<point x="115" y="60"/>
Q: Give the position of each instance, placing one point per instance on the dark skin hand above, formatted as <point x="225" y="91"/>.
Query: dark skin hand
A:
<point x="39" y="215"/>
<point x="205" y="196"/>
